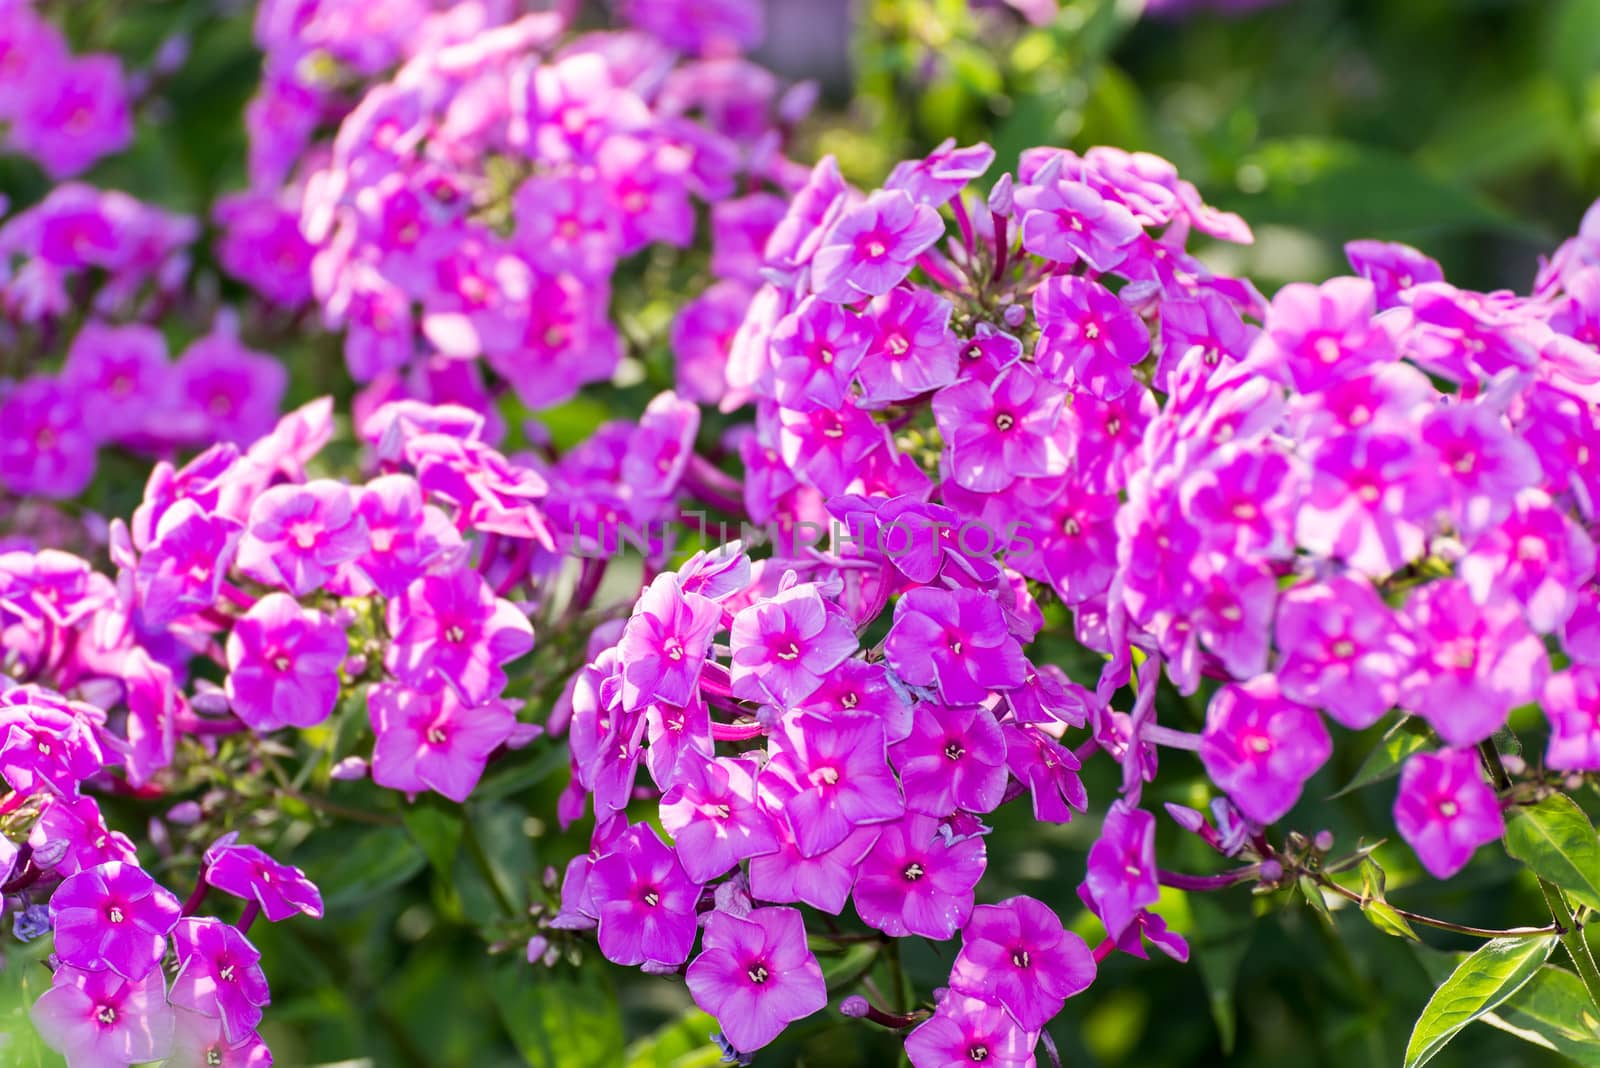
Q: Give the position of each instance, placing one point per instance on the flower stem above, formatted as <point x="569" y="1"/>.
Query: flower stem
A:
<point x="1438" y="924"/>
<point x="469" y="838"/>
<point x="1180" y="881"/>
<point x="1564" y="925"/>
<point x="1572" y="940"/>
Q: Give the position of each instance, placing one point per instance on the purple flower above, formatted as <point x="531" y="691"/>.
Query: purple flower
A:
<point x="297" y="537"/>
<point x="433" y="740"/>
<point x="815" y="352"/>
<point x="1445" y="810"/>
<point x="99" y="1019"/>
<point x="665" y="643"/>
<point x="1474" y="663"/>
<point x="1121" y="880"/>
<point x="873" y="246"/>
<point x="1068" y="221"/>
<point x="942" y="174"/>
<point x="183" y="568"/>
<point x="954" y="759"/>
<point x="645" y="901"/>
<point x="822" y="881"/>
<point x="283" y="664"/>
<point x="226" y="392"/>
<point x="261" y="244"/>
<point x="1572" y="706"/>
<point x="784" y="646"/>
<point x="219" y="974"/>
<point x="113" y="916"/>
<point x="246" y="872"/>
<point x="82" y="113"/>
<point x="712" y="815"/>
<point x="123" y="372"/>
<point x="911" y="351"/>
<point x="1539" y="558"/>
<point x="199" y="1042"/>
<point x="839" y="776"/>
<point x="48" y="448"/>
<point x="1048" y="769"/>
<point x="1088" y="331"/>
<point x="918" y="881"/>
<point x="453" y="627"/>
<point x="1261" y="747"/>
<point x="47" y="744"/>
<point x="957" y="640"/>
<point x="1017" y="954"/>
<point x="1341" y="649"/>
<point x="1368" y="499"/>
<point x="404" y="535"/>
<point x="1391" y="267"/>
<point x="964" y="1031"/>
<point x="1000" y="431"/>
<point x="755" y="974"/>
<point x="1318" y="335"/>
<point x="1481" y="462"/>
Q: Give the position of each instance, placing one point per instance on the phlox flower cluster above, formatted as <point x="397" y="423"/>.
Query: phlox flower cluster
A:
<point x="110" y="1001"/>
<point x="473" y="211"/>
<point x="65" y="111"/>
<point x="1368" y="495"/>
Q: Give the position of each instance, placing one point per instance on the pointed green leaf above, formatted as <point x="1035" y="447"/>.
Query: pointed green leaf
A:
<point x="558" y="1017"/>
<point x="1554" y="1011"/>
<point x="1410" y="735"/>
<point x="1479" y="985"/>
<point x="1383" y="916"/>
<point x="437" y="832"/>
<point x="1557" y="841"/>
<point x="1223" y="929"/>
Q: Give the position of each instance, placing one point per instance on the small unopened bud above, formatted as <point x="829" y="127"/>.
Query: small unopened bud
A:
<point x="1323" y="841"/>
<point x="797" y="101"/>
<point x="1271" y="871"/>
<point x="855" y="1005"/>
<point x="355" y="666"/>
<point x="522" y="734"/>
<point x="1298" y="842"/>
<point x="50" y="853"/>
<point x="349" y="769"/>
<point x="209" y="702"/>
<point x="1513" y="764"/>
<point x="31" y="922"/>
<point x="1014" y="315"/>
<point x="538" y="945"/>
<point x="344" y="616"/>
<point x="184" y="813"/>
<point x="551" y="876"/>
<point x="1000" y="196"/>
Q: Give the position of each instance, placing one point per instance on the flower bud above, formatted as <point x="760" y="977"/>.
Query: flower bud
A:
<point x="855" y="1005"/>
<point x="349" y="769"/>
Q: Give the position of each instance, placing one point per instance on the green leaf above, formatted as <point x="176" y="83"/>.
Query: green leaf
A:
<point x="378" y="861"/>
<point x="1556" y="840"/>
<point x="1554" y="1011"/>
<point x="849" y="966"/>
<point x="1410" y="735"/>
<point x="1348" y="189"/>
<point x="1222" y="933"/>
<point x="558" y="1018"/>
<point x="1382" y="915"/>
<point x="1494" y="972"/>
<point x="436" y="830"/>
<point x="683" y="1043"/>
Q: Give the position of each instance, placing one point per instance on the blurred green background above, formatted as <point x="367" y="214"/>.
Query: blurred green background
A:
<point x="1470" y="128"/>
